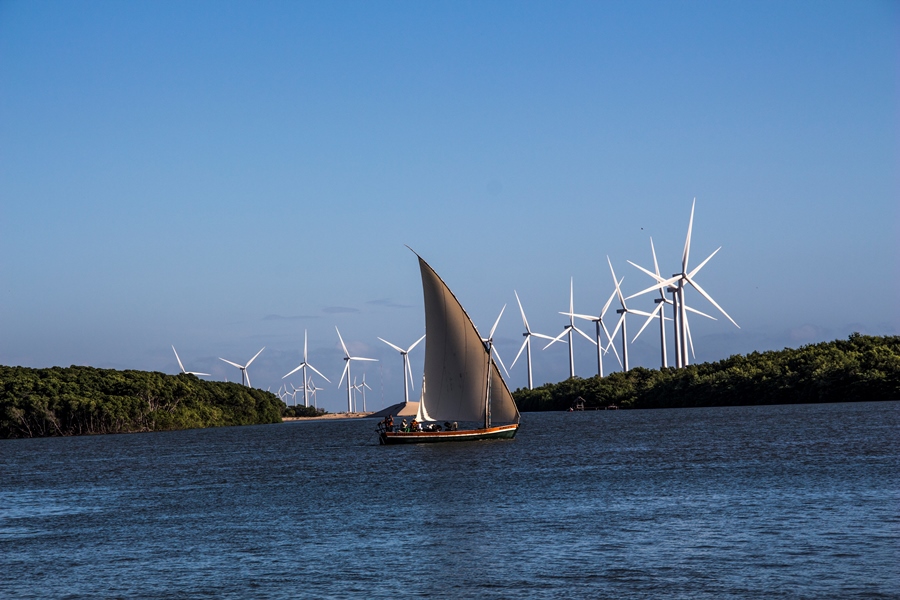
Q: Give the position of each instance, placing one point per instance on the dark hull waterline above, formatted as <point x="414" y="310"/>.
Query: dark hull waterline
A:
<point x="502" y="432"/>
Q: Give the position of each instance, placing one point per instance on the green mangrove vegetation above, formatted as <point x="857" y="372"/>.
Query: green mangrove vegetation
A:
<point x="303" y="411"/>
<point x="83" y="400"/>
<point x="860" y="368"/>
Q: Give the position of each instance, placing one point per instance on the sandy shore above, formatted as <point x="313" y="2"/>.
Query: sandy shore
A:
<point x="329" y="416"/>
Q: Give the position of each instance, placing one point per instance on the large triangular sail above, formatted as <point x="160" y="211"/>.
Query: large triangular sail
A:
<point x="457" y="363"/>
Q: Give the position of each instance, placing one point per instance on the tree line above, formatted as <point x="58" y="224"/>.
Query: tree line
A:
<point x="76" y="400"/>
<point x="860" y="368"/>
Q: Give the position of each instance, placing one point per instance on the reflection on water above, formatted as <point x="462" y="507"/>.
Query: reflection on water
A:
<point x="759" y="502"/>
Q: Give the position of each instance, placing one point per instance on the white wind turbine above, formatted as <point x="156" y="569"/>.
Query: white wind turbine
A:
<point x="313" y="389"/>
<point x="304" y="365"/>
<point x="182" y="366"/>
<point x="407" y="370"/>
<point x="245" y="376"/>
<point x="526" y="345"/>
<point x="363" y="386"/>
<point x="660" y="302"/>
<point x="624" y="311"/>
<point x="348" y="359"/>
<point x="356" y="388"/>
<point x="283" y="393"/>
<point x="489" y="341"/>
<point x="569" y="328"/>
<point x="680" y="281"/>
<point x="599" y="327"/>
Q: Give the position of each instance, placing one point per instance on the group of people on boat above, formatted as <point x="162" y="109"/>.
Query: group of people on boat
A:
<point x="387" y="424"/>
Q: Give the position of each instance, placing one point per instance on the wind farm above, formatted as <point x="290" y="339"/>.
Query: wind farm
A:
<point x="610" y="336"/>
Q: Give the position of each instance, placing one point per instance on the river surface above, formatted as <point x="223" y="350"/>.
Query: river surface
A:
<point x="798" y="501"/>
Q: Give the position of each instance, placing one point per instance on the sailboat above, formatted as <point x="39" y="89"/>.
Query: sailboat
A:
<point x="462" y="386"/>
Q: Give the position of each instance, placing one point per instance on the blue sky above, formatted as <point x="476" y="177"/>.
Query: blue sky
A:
<point x="223" y="176"/>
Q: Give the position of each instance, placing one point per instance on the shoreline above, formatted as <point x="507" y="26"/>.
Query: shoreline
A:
<point x="329" y="417"/>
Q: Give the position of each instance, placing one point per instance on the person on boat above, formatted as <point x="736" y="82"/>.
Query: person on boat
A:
<point x="414" y="426"/>
<point x="389" y="423"/>
<point x="446" y="425"/>
<point x="404" y="426"/>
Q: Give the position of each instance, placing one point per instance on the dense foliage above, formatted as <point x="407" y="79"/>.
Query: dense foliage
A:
<point x="860" y="368"/>
<point x="85" y="400"/>
<point x="303" y="411"/>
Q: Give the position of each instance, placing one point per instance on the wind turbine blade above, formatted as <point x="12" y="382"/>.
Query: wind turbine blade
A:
<point x="643" y="313"/>
<point x="294" y="371"/>
<point x="409" y="371"/>
<point x="606" y="331"/>
<point x="521" y="348"/>
<point x="247" y="375"/>
<point x="195" y="373"/>
<point x="687" y="330"/>
<point x="343" y="345"/>
<point x="613" y="346"/>
<point x="178" y="359"/>
<point x="580" y="316"/>
<point x="618" y="324"/>
<point x="315" y="370"/>
<point x="497" y="356"/>
<point x="586" y="336"/>
<point x="713" y="302"/>
<point x="659" y="286"/>
<point x="408" y="350"/>
<point x="662" y="294"/>
<point x="361" y="358"/>
<point x="497" y="322"/>
<point x="687" y="241"/>
<point x="655" y="263"/>
<point x="653" y="275"/>
<point x="647" y="322"/>
<point x="557" y="338"/>
<point x="700" y="266"/>
<point x="618" y="289"/>
<point x="609" y="301"/>
<point x="397" y="348"/>
<point x="254" y="357"/>
<point x="571" y="295"/>
<point x="304" y="346"/>
<point x="522" y="310"/>
<point x="232" y="363"/>
<point x="542" y="336"/>
<point x="346" y="367"/>
<point x="695" y="311"/>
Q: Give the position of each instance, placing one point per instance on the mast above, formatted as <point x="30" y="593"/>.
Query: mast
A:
<point x="487" y="395"/>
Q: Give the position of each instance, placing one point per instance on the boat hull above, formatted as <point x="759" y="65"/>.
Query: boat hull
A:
<point x="503" y="432"/>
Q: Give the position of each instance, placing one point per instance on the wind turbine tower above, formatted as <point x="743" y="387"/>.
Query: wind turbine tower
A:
<point x="569" y="328"/>
<point x="407" y="370"/>
<point x="348" y="359"/>
<point x="623" y="312"/>
<point x="526" y="345"/>
<point x="304" y="366"/>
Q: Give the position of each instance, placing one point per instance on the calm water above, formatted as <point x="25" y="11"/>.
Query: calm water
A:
<point x="751" y="502"/>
